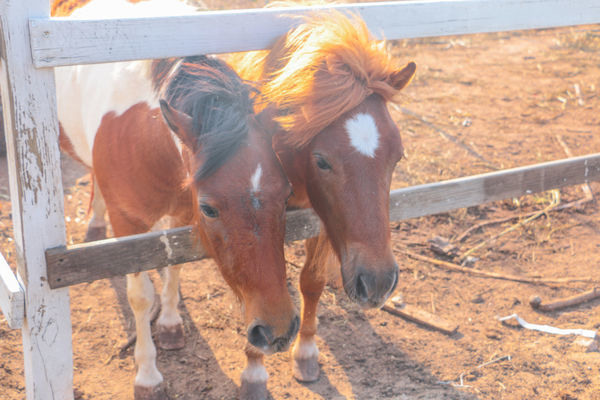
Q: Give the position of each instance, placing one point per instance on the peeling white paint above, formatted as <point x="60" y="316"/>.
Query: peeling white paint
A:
<point x="165" y="240"/>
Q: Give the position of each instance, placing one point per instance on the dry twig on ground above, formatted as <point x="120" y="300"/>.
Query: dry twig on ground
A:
<point x="558" y="304"/>
<point x="555" y="202"/>
<point x="462" y="375"/>
<point x="535" y="214"/>
<point x="507" y="277"/>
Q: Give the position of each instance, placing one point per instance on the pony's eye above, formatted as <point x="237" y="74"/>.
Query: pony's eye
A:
<point x="322" y="163"/>
<point x="209" y="211"/>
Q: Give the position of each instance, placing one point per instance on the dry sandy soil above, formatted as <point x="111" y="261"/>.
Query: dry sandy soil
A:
<point x="509" y="97"/>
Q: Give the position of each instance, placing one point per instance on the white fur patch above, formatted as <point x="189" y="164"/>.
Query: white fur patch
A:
<point x="85" y="93"/>
<point x="255" y="179"/>
<point x="363" y="134"/>
<point x="140" y="292"/>
<point x="254" y="373"/>
<point x="306" y="349"/>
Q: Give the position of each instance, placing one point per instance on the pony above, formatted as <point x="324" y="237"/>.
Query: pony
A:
<point x="329" y="82"/>
<point x="179" y="138"/>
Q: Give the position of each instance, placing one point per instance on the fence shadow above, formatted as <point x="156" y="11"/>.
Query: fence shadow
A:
<point x="373" y="366"/>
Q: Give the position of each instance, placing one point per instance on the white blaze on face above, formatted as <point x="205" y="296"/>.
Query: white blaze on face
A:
<point x="363" y="134"/>
<point x="255" y="179"/>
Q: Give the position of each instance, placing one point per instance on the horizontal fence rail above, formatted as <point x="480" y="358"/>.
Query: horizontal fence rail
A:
<point x="58" y="41"/>
<point x="103" y="259"/>
<point x="88" y="262"/>
<point x="12" y="296"/>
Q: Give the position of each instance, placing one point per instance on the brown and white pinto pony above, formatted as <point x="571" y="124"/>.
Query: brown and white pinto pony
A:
<point x="217" y="172"/>
<point x="179" y="138"/>
<point x="329" y="81"/>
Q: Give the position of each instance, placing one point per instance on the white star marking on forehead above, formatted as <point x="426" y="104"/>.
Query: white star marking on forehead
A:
<point x="363" y="134"/>
<point x="255" y="179"/>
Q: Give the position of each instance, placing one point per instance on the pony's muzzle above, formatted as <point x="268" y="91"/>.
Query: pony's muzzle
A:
<point x="260" y="335"/>
<point x="371" y="289"/>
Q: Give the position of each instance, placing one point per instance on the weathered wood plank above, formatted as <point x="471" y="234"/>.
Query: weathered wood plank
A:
<point x="31" y="128"/>
<point x="87" y="262"/>
<point x="411" y="313"/>
<point x="434" y="198"/>
<point x="12" y="296"/>
<point x="57" y="42"/>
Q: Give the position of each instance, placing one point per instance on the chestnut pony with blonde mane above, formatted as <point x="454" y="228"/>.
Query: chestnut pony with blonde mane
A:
<point x="329" y="81"/>
<point x="179" y="138"/>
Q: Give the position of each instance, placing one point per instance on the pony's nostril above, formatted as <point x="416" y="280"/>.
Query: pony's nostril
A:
<point x="260" y="336"/>
<point x="362" y="290"/>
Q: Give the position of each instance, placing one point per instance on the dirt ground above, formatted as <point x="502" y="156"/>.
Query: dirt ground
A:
<point x="514" y="99"/>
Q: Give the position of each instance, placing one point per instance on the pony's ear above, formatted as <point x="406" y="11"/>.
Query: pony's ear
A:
<point x="401" y="78"/>
<point x="180" y="123"/>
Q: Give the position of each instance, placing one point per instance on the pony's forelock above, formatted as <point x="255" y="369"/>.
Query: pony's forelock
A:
<point x="323" y="68"/>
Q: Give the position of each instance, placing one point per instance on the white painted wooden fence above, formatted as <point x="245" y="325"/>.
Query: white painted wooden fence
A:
<point x="31" y="42"/>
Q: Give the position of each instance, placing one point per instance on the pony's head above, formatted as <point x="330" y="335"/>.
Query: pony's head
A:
<point x="330" y="82"/>
<point x="241" y="191"/>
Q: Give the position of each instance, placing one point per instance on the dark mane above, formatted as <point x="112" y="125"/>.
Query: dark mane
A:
<point x="216" y="98"/>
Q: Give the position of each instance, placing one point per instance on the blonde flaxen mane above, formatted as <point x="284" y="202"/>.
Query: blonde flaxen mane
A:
<point x="321" y="69"/>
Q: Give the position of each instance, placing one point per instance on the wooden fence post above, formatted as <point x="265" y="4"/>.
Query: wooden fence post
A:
<point x="31" y="127"/>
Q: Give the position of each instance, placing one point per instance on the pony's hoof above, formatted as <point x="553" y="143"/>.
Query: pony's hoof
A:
<point x="306" y="369"/>
<point x="95" y="233"/>
<point x="171" y="337"/>
<point x="253" y="391"/>
<point x="150" y="393"/>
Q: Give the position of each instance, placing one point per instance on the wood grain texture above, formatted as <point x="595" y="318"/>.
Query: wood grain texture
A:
<point x="12" y="296"/>
<point x="57" y="42"/>
<point x="88" y="262"/>
<point x="31" y="127"/>
<point x="438" y="197"/>
<point x="96" y="260"/>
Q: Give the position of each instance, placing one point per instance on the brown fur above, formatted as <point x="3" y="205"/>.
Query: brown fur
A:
<point x="320" y="70"/>
<point x="315" y="78"/>
<point x="160" y="69"/>
<point x="64" y="8"/>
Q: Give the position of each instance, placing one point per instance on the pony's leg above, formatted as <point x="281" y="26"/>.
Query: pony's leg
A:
<point x="140" y="292"/>
<point x="254" y="376"/>
<point x="170" y="324"/>
<point x="312" y="282"/>
<point x="97" y="227"/>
